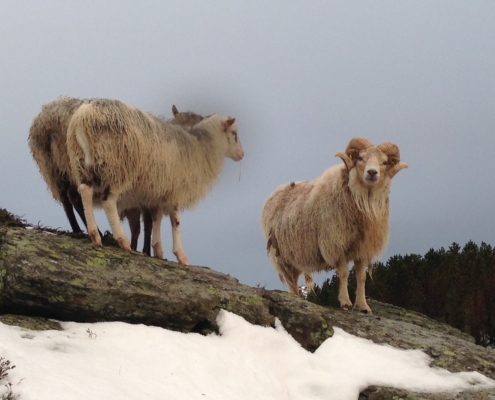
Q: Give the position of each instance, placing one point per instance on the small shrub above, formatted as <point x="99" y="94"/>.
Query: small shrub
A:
<point x="5" y="367"/>
<point x="9" y="219"/>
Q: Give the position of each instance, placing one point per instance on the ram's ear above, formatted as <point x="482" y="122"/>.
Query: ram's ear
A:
<point x="396" y="168"/>
<point x="347" y="158"/>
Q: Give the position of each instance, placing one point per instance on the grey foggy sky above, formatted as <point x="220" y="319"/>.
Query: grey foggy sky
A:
<point x="301" y="79"/>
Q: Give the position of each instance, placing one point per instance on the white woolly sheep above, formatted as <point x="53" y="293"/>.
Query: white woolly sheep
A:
<point x="121" y="154"/>
<point x="48" y="144"/>
<point x="341" y="216"/>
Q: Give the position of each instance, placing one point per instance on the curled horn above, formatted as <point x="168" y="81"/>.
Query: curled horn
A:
<point x="352" y="150"/>
<point x="358" y="144"/>
<point x="393" y="154"/>
<point x="174" y="110"/>
<point x="391" y="150"/>
<point x="229" y="122"/>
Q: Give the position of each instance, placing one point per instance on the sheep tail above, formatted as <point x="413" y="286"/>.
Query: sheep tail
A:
<point x="83" y="141"/>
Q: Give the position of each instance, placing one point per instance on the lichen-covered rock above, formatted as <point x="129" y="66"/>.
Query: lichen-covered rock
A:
<point x="53" y="275"/>
<point x="56" y="276"/>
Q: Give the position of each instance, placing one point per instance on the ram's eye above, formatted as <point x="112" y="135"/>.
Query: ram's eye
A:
<point x="385" y="163"/>
<point x="360" y="158"/>
<point x="235" y="135"/>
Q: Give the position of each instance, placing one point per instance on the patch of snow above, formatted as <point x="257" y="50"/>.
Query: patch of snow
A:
<point x="123" y="361"/>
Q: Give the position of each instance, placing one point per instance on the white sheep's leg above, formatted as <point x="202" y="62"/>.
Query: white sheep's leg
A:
<point x="156" y="242"/>
<point x="343" y="271"/>
<point x="360" y="270"/>
<point x="133" y="215"/>
<point x="176" y="238"/>
<point x="110" y="207"/>
<point x="86" y="193"/>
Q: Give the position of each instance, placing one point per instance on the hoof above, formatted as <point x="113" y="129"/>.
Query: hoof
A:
<point x="158" y="254"/>
<point x="181" y="257"/>
<point x="124" y="243"/>
<point x="363" y="310"/>
<point x="157" y="250"/>
<point x="346" y="307"/>
<point x="95" y="237"/>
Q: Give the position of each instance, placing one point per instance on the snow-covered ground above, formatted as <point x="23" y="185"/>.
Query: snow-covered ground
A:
<point x="114" y="360"/>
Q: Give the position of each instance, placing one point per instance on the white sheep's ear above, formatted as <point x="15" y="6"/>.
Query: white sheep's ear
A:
<point x="396" y="168"/>
<point x="349" y="164"/>
<point x="175" y="111"/>
<point x="229" y="122"/>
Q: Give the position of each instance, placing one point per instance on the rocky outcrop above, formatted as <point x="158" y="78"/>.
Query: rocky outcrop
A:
<point x="52" y="275"/>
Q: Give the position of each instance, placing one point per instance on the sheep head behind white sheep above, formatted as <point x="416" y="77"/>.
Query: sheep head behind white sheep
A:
<point x="341" y="216"/>
<point x="188" y="118"/>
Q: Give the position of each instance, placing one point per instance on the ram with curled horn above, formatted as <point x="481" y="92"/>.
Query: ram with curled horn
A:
<point x="339" y="217"/>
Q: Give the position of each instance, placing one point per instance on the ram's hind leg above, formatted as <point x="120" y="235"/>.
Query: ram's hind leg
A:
<point x="110" y="206"/>
<point x="286" y="272"/>
<point x="360" y="270"/>
<point x="86" y="192"/>
<point x="291" y="277"/>
<point x="343" y="272"/>
<point x="308" y="277"/>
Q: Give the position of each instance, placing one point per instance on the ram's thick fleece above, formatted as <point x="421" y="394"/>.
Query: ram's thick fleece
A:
<point x="119" y="152"/>
<point x="341" y="216"/>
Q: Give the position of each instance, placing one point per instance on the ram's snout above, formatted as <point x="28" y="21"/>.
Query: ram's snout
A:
<point x="372" y="171"/>
<point x="372" y="175"/>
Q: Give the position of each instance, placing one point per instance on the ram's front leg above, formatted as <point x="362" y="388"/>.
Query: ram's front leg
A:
<point x="176" y="237"/>
<point x="360" y="270"/>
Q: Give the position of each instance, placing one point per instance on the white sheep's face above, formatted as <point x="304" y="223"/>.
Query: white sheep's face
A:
<point x="371" y="167"/>
<point x="234" y="147"/>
